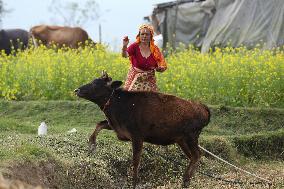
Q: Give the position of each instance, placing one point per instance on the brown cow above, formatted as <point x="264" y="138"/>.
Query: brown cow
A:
<point x="59" y="35"/>
<point x="151" y="117"/>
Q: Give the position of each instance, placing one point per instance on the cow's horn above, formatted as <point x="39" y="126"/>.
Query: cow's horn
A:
<point x="104" y="74"/>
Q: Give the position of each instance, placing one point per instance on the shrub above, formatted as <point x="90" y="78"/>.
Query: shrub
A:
<point x="262" y="146"/>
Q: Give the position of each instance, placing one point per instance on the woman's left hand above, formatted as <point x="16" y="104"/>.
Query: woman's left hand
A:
<point x="160" y="69"/>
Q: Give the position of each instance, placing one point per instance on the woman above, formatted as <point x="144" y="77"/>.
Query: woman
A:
<point x="145" y="58"/>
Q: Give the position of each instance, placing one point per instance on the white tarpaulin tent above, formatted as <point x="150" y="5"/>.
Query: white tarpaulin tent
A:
<point x="221" y="22"/>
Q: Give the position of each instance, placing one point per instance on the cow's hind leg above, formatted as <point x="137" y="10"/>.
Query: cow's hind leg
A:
<point x="137" y="145"/>
<point x="92" y="140"/>
<point x="190" y="148"/>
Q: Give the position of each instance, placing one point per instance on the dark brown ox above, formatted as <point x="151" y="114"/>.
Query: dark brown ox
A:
<point x="13" y="39"/>
<point x="59" y="35"/>
<point x="151" y="117"/>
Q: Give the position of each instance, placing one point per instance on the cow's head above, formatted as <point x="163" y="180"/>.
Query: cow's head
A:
<point x="99" y="88"/>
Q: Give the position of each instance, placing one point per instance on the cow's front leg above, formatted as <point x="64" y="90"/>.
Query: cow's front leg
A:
<point x="92" y="140"/>
<point x="137" y="145"/>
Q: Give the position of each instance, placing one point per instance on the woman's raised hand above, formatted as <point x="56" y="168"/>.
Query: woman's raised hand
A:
<point x="125" y="41"/>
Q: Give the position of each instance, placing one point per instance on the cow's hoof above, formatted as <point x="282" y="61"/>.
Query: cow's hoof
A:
<point x="92" y="148"/>
<point x="185" y="184"/>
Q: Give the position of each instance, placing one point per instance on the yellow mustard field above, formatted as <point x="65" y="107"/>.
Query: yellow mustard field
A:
<point x="235" y="77"/>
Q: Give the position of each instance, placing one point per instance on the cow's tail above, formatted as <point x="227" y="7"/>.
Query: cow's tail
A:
<point x="204" y="120"/>
<point x="208" y="113"/>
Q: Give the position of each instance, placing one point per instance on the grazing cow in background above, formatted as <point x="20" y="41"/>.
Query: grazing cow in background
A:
<point x="140" y="116"/>
<point x="16" y="39"/>
<point x="60" y="35"/>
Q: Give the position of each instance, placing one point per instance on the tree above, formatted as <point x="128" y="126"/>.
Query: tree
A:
<point x="72" y="13"/>
<point x="3" y="11"/>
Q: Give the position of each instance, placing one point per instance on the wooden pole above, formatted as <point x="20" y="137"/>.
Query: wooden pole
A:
<point x="100" y="33"/>
<point x="175" y="25"/>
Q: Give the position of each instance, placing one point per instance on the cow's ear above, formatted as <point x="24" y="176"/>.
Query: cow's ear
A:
<point x="115" y="84"/>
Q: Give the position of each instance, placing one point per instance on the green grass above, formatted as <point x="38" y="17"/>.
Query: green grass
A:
<point x="244" y="136"/>
<point x="238" y="121"/>
<point x="25" y="117"/>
